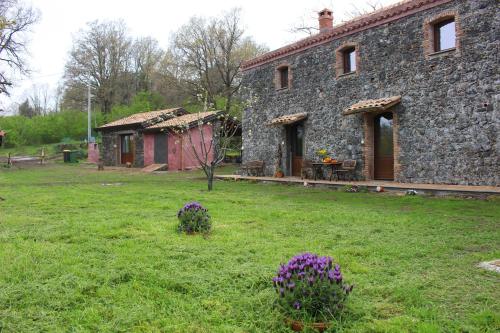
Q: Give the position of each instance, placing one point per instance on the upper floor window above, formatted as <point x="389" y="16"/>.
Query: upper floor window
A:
<point x="282" y="77"/>
<point x="347" y="59"/>
<point x="444" y="35"/>
<point x="349" y="56"/>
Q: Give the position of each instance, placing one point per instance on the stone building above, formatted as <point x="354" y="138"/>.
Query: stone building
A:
<point x="410" y="92"/>
<point x="165" y="138"/>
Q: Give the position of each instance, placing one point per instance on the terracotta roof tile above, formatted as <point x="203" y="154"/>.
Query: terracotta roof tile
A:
<point x="371" y="105"/>
<point x="185" y="120"/>
<point x="140" y="118"/>
<point x="288" y="119"/>
<point x="381" y="16"/>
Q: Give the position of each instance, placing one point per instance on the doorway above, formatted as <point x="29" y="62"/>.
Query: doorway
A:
<point x="160" y="148"/>
<point x="126" y="149"/>
<point x="296" y="148"/>
<point x="383" y="146"/>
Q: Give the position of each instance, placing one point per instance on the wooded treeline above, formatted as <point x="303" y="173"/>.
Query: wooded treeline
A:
<point x="129" y="74"/>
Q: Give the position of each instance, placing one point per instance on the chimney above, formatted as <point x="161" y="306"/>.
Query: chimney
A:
<point x="325" y="18"/>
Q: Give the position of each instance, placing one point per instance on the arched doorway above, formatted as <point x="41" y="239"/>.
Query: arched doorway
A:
<point x="383" y="146"/>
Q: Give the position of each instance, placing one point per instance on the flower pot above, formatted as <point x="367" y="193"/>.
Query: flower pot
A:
<point x="298" y="326"/>
<point x="279" y="174"/>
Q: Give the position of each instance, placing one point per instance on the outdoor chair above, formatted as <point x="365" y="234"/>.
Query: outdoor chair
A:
<point x="347" y="169"/>
<point x="252" y="168"/>
<point x="307" y="171"/>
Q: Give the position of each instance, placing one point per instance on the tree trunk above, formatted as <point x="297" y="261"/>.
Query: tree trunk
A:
<point x="210" y="178"/>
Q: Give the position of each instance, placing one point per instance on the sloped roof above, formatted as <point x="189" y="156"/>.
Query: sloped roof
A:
<point x="288" y="119"/>
<point x="140" y="118"/>
<point x="185" y="120"/>
<point x="364" y="22"/>
<point x="371" y="105"/>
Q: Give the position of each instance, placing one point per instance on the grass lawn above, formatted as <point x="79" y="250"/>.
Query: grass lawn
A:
<point x="82" y="251"/>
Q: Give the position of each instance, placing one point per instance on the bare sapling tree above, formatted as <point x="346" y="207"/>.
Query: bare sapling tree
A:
<point x="210" y="152"/>
<point x="16" y="20"/>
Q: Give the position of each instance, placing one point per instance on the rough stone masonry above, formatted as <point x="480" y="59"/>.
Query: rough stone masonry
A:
<point x="447" y="123"/>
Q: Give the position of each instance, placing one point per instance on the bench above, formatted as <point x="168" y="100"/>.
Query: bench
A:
<point x="253" y="168"/>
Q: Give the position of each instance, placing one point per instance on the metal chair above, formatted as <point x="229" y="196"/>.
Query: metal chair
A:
<point x="307" y="169"/>
<point x="347" y="168"/>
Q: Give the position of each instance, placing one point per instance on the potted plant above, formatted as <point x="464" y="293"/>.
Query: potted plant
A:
<point x="311" y="291"/>
<point x="279" y="173"/>
<point x="194" y="218"/>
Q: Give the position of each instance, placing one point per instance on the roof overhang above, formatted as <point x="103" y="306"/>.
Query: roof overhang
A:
<point x="372" y="105"/>
<point x="288" y="119"/>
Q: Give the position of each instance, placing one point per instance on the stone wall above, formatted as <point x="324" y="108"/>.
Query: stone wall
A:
<point x="448" y="119"/>
<point x="111" y="147"/>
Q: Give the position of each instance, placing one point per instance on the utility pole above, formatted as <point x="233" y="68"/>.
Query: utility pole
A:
<point x="89" y="117"/>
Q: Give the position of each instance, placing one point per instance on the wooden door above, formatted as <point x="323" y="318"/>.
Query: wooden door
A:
<point x="160" y="151"/>
<point x="297" y="146"/>
<point x="126" y="149"/>
<point x="384" y="147"/>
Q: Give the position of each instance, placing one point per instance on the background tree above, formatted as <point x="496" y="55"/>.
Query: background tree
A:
<point x="26" y="110"/>
<point x="211" y="52"/>
<point x="16" y="19"/>
<point x="100" y="57"/>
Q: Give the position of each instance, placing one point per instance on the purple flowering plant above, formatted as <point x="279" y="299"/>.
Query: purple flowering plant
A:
<point x="194" y="218"/>
<point x="311" y="287"/>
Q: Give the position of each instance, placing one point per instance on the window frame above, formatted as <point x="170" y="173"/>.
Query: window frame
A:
<point x="348" y="65"/>
<point x="283" y="77"/>
<point x="343" y="60"/>
<point x="279" y="78"/>
<point x="436" y="27"/>
<point x="430" y="25"/>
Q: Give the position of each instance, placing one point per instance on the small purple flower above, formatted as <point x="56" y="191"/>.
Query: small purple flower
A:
<point x="296" y="305"/>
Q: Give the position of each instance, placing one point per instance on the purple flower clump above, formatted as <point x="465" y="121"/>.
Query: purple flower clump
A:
<point x="191" y="206"/>
<point x="193" y="218"/>
<point x="311" y="283"/>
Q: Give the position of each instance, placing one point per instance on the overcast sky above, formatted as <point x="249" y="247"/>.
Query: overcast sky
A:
<point x="268" y="22"/>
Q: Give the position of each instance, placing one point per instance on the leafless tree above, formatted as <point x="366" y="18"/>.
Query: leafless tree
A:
<point x="146" y="60"/>
<point x="363" y="9"/>
<point x="16" y="20"/>
<point x="39" y="98"/>
<point x="210" y="152"/>
<point x="101" y="58"/>
<point x="308" y="24"/>
<point x="211" y="52"/>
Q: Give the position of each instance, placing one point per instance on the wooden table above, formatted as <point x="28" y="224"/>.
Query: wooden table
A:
<point x="318" y="168"/>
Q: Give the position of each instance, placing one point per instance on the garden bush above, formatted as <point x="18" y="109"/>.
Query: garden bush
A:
<point x="194" y="218"/>
<point x="311" y="288"/>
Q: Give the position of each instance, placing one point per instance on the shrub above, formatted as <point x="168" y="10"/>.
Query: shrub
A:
<point x="193" y="218"/>
<point x="310" y="288"/>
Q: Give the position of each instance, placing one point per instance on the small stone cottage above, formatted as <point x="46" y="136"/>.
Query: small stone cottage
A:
<point x="410" y="92"/>
<point x="163" y="137"/>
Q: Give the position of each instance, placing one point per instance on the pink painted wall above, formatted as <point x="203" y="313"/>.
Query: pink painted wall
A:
<point x="149" y="149"/>
<point x="93" y="153"/>
<point x="180" y="152"/>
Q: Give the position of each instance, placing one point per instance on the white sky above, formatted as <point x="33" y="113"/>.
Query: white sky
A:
<point x="268" y="22"/>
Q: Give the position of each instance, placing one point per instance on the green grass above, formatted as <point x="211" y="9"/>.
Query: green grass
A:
<point x="83" y="251"/>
